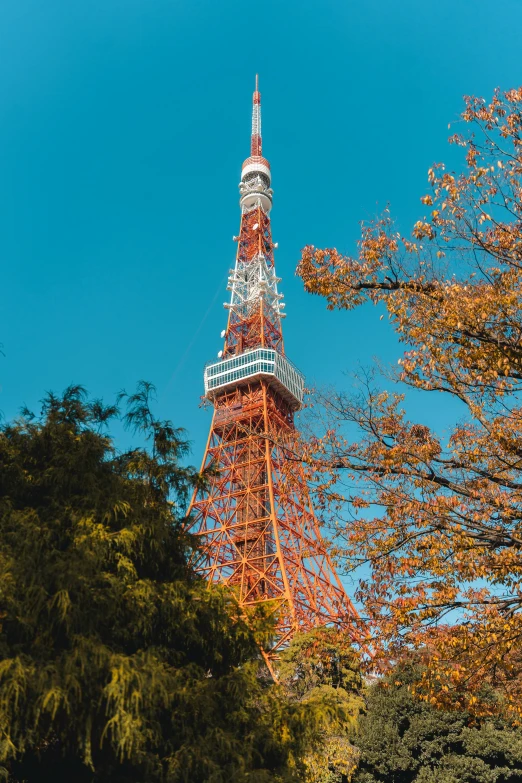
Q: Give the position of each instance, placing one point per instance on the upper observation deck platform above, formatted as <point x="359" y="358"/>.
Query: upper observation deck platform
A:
<point x="253" y="365"/>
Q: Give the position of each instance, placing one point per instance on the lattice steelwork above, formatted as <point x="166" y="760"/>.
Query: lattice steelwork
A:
<point x="258" y="530"/>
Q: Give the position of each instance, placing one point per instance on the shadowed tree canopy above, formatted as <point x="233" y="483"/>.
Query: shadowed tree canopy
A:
<point x="438" y="515"/>
<point x="404" y="740"/>
<point x="117" y="663"/>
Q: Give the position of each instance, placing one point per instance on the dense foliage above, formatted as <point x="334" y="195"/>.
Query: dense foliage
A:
<point x="116" y="662"/>
<point x="441" y="521"/>
<point x="321" y="671"/>
<point x="404" y="740"/>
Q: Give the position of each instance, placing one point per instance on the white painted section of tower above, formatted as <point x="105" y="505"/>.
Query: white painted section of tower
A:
<point x="254" y="192"/>
<point x="252" y="281"/>
<point x="256" y="167"/>
<point x="256" y="119"/>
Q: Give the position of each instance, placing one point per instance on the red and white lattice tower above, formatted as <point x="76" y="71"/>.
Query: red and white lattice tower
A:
<point x="258" y="530"/>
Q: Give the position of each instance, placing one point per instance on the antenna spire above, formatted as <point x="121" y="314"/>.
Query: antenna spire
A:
<point x="255" y="141"/>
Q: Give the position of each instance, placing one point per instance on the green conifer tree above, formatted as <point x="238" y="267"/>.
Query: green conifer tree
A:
<point x="117" y="663"/>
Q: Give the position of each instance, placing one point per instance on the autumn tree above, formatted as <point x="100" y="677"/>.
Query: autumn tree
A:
<point x="438" y="515"/>
<point x="117" y="662"/>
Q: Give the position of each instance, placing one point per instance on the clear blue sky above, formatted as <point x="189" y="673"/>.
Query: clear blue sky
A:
<point x="123" y="125"/>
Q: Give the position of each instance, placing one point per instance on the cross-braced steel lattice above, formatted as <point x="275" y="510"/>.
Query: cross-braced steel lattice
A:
<point x="257" y="528"/>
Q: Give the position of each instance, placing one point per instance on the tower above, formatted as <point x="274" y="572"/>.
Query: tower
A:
<point x="258" y="530"/>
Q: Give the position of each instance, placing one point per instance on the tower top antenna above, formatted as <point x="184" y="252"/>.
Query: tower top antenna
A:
<point x="255" y="171"/>
<point x="255" y="140"/>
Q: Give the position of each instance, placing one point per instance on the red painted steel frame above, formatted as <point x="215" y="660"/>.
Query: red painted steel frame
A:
<point x="256" y="523"/>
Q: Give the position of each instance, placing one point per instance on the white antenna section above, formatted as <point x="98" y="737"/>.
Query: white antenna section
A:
<point x="252" y="281"/>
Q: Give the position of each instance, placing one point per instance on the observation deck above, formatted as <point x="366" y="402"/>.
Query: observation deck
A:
<point x="252" y="365"/>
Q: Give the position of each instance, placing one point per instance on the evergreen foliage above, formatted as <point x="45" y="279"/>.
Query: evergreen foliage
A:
<point x="404" y="740"/>
<point x="321" y="671"/>
<point x="117" y="663"/>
